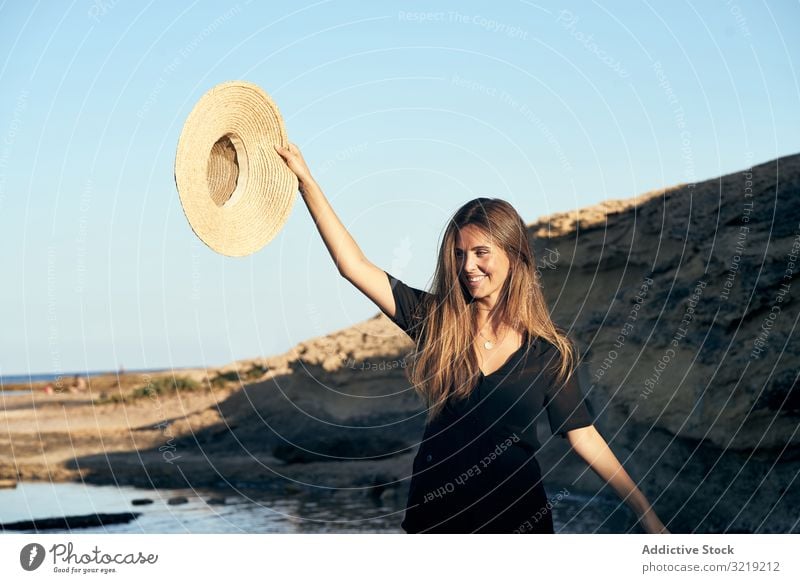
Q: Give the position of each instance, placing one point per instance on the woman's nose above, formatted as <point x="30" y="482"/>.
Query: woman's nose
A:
<point x="469" y="264"/>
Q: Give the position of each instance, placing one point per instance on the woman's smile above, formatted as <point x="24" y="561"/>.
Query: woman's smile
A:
<point x="475" y="281"/>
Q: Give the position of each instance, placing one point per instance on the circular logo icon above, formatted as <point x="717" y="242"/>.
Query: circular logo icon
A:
<point x="31" y="556"/>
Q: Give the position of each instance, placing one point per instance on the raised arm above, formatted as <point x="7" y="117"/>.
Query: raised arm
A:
<point x="345" y="252"/>
<point x="593" y="449"/>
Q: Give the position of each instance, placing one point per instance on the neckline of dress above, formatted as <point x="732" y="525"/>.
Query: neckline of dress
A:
<point x="524" y="344"/>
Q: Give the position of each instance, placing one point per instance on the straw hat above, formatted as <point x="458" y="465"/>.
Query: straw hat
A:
<point x="236" y="191"/>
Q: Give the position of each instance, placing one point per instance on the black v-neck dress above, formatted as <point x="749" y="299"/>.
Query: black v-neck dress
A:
<point x="475" y="470"/>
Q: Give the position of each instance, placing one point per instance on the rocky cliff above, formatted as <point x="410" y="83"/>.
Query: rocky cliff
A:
<point x="683" y="302"/>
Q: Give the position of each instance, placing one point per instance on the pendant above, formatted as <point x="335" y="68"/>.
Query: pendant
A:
<point x="488" y="345"/>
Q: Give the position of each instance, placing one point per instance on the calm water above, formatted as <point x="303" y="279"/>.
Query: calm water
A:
<point x="253" y="512"/>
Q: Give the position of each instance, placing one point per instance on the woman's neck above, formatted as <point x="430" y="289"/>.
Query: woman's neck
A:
<point x="487" y="322"/>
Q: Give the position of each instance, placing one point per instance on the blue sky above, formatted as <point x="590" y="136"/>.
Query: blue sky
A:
<point x="404" y="111"/>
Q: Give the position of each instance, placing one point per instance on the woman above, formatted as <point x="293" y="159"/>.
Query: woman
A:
<point x="488" y="362"/>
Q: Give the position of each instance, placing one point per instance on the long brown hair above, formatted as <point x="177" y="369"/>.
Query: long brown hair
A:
<point x="444" y="364"/>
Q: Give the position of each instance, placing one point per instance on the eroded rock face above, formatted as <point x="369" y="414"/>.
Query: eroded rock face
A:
<point x="684" y="303"/>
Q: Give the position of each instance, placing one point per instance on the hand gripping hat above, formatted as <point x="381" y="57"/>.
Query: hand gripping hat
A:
<point x="236" y="191"/>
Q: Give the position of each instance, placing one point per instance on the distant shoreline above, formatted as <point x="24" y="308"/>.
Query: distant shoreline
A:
<point x="26" y="379"/>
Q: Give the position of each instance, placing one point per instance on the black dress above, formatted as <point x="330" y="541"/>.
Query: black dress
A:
<point x="475" y="470"/>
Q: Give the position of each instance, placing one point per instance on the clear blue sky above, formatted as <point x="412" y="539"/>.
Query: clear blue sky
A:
<point x="404" y="111"/>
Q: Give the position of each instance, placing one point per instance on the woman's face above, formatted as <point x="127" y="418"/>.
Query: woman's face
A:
<point x="482" y="265"/>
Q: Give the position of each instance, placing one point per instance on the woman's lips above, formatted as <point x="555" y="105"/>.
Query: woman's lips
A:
<point x="476" y="282"/>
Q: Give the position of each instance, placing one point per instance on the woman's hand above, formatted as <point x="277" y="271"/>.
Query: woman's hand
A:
<point x="294" y="160"/>
<point x="651" y="524"/>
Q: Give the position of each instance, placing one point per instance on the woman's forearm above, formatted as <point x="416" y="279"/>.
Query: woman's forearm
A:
<point x="344" y="251"/>
<point x="342" y="247"/>
<point x="594" y="450"/>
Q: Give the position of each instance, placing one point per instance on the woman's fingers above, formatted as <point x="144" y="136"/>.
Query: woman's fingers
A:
<point x="285" y="151"/>
<point x="294" y="160"/>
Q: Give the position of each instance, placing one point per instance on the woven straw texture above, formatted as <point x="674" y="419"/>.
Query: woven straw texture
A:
<point x="236" y="191"/>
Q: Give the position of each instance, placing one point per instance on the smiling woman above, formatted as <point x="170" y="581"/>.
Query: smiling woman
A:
<point x="489" y="362"/>
<point x="468" y="330"/>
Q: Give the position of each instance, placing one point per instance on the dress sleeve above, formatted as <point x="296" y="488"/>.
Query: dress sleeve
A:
<point x="407" y="301"/>
<point x="565" y="403"/>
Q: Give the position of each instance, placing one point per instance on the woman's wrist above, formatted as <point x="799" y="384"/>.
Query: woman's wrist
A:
<point x="651" y="523"/>
<point x="638" y="503"/>
<point x="307" y="185"/>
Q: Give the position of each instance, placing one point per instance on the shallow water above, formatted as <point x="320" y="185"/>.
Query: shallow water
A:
<point x="251" y="512"/>
<point x="240" y="513"/>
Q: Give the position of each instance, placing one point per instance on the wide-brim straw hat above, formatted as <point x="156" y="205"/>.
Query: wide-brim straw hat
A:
<point x="235" y="189"/>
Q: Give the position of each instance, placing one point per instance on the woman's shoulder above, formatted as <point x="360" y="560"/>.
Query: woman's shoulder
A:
<point x="546" y="345"/>
<point x="542" y="344"/>
<point x="546" y="351"/>
<point x="398" y="285"/>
